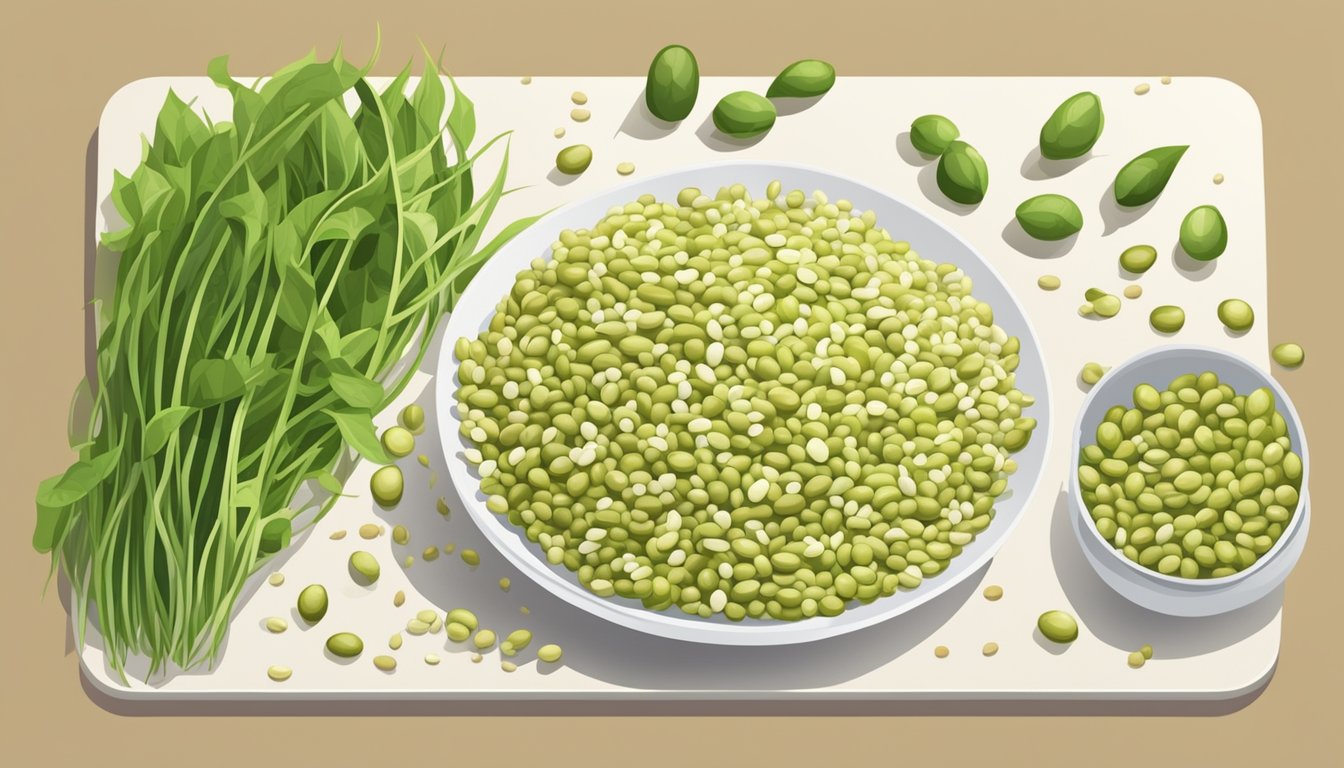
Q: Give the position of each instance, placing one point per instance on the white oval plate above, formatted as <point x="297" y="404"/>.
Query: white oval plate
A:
<point x="926" y="236"/>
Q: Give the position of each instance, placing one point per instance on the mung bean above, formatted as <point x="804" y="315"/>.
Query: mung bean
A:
<point x="398" y="441"/>
<point x="365" y="567"/>
<point x="347" y="645"/>
<point x="1196" y="464"/>
<point x="312" y="603"/>
<point x="1058" y="626"/>
<point x="1167" y="318"/>
<point x="412" y="417"/>
<point x="386" y="486"/>
<point x="1289" y="355"/>
<point x="751" y="407"/>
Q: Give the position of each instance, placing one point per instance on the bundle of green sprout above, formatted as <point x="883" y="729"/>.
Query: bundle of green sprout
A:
<point x="273" y="271"/>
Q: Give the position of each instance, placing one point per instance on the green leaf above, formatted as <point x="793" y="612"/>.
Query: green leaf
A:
<point x="355" y="345"/>
<point x="298" y="297"/>
<point x="275" y="535"/>
<point x="344" y="225"/>
<point x="357" y="391"/>
<point x="162" y="425"/>
<point x="461" y="121"/>
<point x="328" y="483"/>
<point x="178" y="132"/>
<point x="81" y="478"/>
<point x="357" y="430"/>
<point x="215" y="380"/>
<point x="51" y="520"/>
<point x="429" y="97"/>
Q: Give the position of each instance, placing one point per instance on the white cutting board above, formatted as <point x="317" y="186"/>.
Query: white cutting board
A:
<point x="856" y="130"/>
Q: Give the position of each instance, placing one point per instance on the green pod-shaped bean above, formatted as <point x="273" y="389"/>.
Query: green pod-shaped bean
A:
<point x="1073" y="128"/>
<point x="1143" y="178"/>
<point x="744" y="114"/>
<point x="673" y="83"/>
<point x="802" y="79"/>
<point x="932" y="134"/>
<point x="1204" y="233"/>
<point x="962" y="174"/>
<point x="1049" y="217"/>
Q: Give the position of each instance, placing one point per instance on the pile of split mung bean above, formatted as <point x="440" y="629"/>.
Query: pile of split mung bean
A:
<point x="1195" y="481"/>
<point x="760" y="408"/>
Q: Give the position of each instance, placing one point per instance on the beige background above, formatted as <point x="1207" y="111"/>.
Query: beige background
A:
<point x="62" y="63"/>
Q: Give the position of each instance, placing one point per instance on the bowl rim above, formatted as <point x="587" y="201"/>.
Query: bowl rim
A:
<point x="1084" y="517"/>
<point x="629" y="613"/>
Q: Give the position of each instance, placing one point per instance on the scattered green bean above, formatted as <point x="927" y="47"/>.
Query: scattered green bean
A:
<point x="313" y="603"/>
<point x="574" y="159"/>
<point x="1143" y="178"/>
<point x="1236" y="314"/>
<point x="365" y="567"/>
<point x="1289" y="355"/>
<point x="278" y="673"/>
<point x="384" y="663"/>
<point x="400" y="535"/>
<point x="1073" y="128"/>
<point x="412" y="417"/>
<point x="398" y="441"/>
<point x="962" y="174"/>
<point x="1092" y="373"/>
<point x="484" y="639"/>
<point x="1146" y="651"/>
<point x="1058" y="626"/>
<point x="550" y="653"/>
<point x="993" y="592"/>
<point x="1138" y="258"/>
<point x="347" y="645"/>
<point x="1048" y="282"/>
<point x="276" y="579"/>
<point x="386" y="486"/>
<point x="370" y="531"/>
<point x="743" y="114"/>
<point x="932" y="134"/>
<point x="1103" y="304"/>
<point x="1049" y="217"/>
<point x="1204" y="233"/>
<point x="1137" y="659"/>
<point x="470" y="557"/>
<point x="1167" y="318"/>
<point x="802" y="79"/>
<point x="673" y="83"/>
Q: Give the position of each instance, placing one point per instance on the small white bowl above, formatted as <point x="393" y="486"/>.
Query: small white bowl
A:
<point x="1155" y="591"/>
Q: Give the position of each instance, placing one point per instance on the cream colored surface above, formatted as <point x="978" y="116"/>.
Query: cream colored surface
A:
<point x="851" y="131"/>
